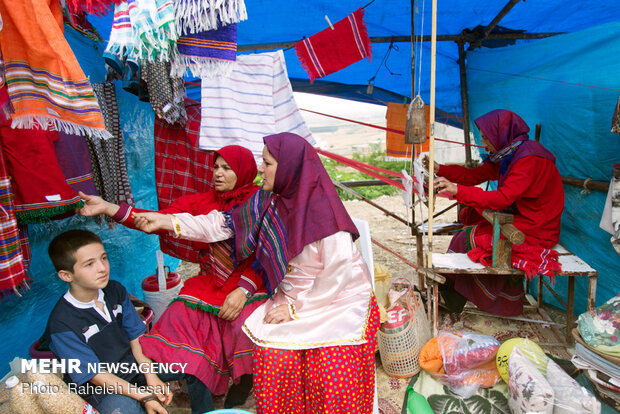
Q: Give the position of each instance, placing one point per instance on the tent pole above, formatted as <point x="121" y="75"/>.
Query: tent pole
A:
<point x="464" y="102"/>
<point x="493" y="23"/>
<point x="402" y="39"/>
<point x="431" y="138"/>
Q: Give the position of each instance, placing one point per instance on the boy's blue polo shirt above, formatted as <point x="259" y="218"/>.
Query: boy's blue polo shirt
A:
<point x="82" y="331"/>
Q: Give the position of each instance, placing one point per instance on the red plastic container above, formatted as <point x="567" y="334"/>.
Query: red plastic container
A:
<point x="150" y="284"/>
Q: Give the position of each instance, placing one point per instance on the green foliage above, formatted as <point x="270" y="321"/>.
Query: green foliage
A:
<point x="340" y="172"/>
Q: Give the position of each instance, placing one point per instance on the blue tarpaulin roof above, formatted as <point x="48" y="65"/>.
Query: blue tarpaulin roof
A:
<point x="536" y="78"/>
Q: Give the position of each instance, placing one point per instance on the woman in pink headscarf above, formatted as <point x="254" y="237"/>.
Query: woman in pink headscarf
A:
<point x="314" y="340"/>
<point x="530" y="187"/>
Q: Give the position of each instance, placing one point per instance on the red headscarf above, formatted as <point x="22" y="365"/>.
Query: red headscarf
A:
<point x="242" y="162"/>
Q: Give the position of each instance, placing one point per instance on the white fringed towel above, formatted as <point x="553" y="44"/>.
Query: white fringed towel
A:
<point x="256" y="100"/>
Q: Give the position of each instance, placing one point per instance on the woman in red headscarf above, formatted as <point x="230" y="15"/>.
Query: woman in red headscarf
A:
<point x="202" y="326"/>
<point x="314" y="341"/>
<point x="530" y="187"/>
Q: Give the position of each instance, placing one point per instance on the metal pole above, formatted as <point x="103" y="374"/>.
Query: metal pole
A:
<point x="464" y="102"/>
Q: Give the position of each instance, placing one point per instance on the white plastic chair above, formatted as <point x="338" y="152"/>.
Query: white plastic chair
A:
<point x="366" y="251"/>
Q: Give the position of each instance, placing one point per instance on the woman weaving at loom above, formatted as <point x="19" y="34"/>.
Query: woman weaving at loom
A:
<point x="529" y="187"/>
<point x="203" y="325"/>
<point x="315" y="339"/>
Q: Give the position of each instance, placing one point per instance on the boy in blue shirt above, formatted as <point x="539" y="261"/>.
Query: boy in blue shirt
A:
<point x="96" y="323"/>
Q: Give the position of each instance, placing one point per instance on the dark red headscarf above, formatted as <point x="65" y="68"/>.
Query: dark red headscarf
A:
<point x="508" y="133"/>
<point x="304" y="207"/>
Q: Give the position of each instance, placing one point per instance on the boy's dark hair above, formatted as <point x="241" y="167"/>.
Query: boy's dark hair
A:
<point x="64" y="246"/>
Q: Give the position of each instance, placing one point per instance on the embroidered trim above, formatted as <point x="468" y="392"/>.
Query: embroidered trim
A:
<point x="177" y="226"/>
<point x="292" y="311"/>
<point x="315" y="344"/>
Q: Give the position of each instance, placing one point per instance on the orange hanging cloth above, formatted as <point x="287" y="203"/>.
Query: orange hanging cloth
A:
<point x="46" y="85"/>
<point x="395" y="147"/>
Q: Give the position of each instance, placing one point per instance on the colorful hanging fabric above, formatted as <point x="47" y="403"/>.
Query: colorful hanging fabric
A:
<point x="194" y="16"/>
<point x="40" y="189"/>
<point x="207" y="54"/>
<point x="335" y="48"/>
<point x="166" y="94"/>
<point x="98" y="7"/>
<point x="180" y="169"/>
<point x="615" y="119"/>
<point x="74" y="161"/>
<point x="109" y="155"/>
<point x="12" y="267"/>
<point x="395" y="147"/>
<point x="45" y="83"/>
<point x="256" y="100"/>
<point x="153" y="29"/>
<point x="142" y="30"/>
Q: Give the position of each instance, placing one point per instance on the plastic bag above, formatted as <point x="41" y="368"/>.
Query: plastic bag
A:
<point x="463" y="362"/>
<point x="552" y="391"/>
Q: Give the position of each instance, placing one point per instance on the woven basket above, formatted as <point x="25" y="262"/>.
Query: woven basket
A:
<point x="400" y="351"/>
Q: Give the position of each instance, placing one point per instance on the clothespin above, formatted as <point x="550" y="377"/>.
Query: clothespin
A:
<point x="404" y="101"/>
<point x="329" y="22"/>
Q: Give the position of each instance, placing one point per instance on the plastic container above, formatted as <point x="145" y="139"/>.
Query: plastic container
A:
<point x="54" y="396"/>
<point x="159" y="299"/>
<point x="23" y="401"/>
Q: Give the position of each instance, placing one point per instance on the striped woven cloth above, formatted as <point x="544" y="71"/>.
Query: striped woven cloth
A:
<point x="12" y="268"/>
<point x="257" y="223"/>
<point x="46" y="85"/>
<point x="335" y="48"/>
<point x="208" y="53"/>
<point x="256" y="100"/>
<point x="194" y="16"/>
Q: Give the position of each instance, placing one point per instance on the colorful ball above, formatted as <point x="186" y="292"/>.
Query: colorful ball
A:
<point x="530" y="350"/>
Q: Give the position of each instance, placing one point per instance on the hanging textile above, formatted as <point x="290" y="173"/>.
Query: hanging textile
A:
<point x="24" y="242"/>
<point x="615" y="120"/>
<point x="180" y="169"/>
<point x="142" y="30"/>
<point x="255" y="101"/>
<point x="193" y="16"/>
<point x="335" y="48"/>
<point x="40" y="189"/>
<point x="395" y="147"/>
<point x="108" y="155"/>
<point x="98" y="7"/>
<point x="166" y="94"/>
<point x="12" y="268"/>
<point x="45" y="83"/>
<point x="74" y="160"/>
<point x="207" y="54"/>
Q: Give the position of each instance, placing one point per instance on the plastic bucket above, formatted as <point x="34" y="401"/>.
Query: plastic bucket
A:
<point x="159" y="300"/>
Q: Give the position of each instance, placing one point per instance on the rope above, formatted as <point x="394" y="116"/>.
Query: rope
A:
<point x="365" y="168"/>
<point x="385" y="128"/>
<point x="586" y="190"/>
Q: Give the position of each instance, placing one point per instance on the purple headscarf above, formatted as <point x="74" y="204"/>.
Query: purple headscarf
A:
<point x="504" y="129"/>
<point x="304" y="207"/>
<point x="305" y="197"/>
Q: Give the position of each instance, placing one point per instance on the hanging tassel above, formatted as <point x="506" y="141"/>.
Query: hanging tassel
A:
<point x="415" y="128"/>
<point x="615" y="120"/>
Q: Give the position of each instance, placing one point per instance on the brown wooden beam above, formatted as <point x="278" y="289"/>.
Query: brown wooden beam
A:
<point x="493" y="23"/>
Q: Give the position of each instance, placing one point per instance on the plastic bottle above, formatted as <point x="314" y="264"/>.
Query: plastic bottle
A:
<point x="23" y="400"/>
<point x="416" y="403"/>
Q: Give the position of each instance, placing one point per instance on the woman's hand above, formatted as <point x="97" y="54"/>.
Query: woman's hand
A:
<point x="233" y="305"/>
<point x="425" y="162"/>
<point x="278" y="314"/>
<point x="150" y="222"/>
<point x="95" y="205"/>
<point x="442" y="184"/>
